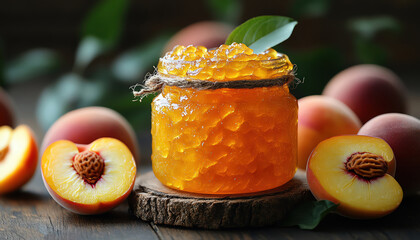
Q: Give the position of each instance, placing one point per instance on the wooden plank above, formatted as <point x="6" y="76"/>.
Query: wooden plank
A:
<point x="32" y="214"/>
<point x="402" y="224"/>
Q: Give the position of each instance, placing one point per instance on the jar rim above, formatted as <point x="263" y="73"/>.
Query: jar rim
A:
<point x="280" y="57"/>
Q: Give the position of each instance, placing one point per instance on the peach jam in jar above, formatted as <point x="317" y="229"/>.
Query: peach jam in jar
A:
<point x="227" y="140"/>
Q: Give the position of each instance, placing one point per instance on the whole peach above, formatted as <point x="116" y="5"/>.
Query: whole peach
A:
<point x="369" y="90"/>
<point x="6" y="110"/>
<point x="322" y="117"/>
<point x="85" y="125"/>
<point x="402" y="133"/>
<point x="207" y="33"/>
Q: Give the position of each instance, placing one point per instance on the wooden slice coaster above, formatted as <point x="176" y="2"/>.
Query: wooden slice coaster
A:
<point x="151" y="201"/>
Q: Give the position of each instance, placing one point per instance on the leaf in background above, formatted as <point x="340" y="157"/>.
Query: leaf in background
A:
<point x="31" y="64"/>
<point x="138" y="114"/>
<point x="315" y="67"/>
<point x="369" y="27"/>
<point x="54" y="103"/>
<point x="308" y="214"/>
<point x="71" y="91"/>
<point x="228" y="11"/>
<point x="89" y="48"/>
<point x="101" y="30"/>
<point x="263" y="32"/>
<point x="310" y="8"/>
<point x="367" y="49"/>
<point x="105" y="21"/>
<point x="132" y="65"/>
<point x="369" y="52"/>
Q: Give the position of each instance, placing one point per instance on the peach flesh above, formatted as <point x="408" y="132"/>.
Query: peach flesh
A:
<point x="71" y="191"/>
<point x="370" y="196"/>
<point x="20" y="157"/>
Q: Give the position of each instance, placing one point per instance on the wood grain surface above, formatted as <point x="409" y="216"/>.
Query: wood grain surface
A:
<point x="32" y="214"/>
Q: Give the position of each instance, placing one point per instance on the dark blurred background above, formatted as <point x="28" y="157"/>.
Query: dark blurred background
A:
<point x="57" y="56"/>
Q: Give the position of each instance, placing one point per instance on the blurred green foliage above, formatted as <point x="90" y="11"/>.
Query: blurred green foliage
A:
<point x="133" y="64"/>
<point x="107" y="83"/>
<point x="101" y="31"/>
<point x="30" y="65"/>
<point x="310" y="8"/>
<point x="314" y="69"/>
<point x="69" y="92"/>
<point x="365" y="31"/>
<point x="228" y="11"/>
<point x="368" y="28"/>
<point x="105" y="22"/>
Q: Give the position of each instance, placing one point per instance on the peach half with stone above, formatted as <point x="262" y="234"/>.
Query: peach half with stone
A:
<point x="88" y="179"/>
<point x="355" y="172"/>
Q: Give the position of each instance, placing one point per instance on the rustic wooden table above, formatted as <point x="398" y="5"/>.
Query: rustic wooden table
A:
<point x="32" y="214"/>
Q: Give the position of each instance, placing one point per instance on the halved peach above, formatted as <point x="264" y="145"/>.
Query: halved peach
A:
<point x="18" y="157"/>
<point x="356" y="173"/>
<point x="88" y="179"/>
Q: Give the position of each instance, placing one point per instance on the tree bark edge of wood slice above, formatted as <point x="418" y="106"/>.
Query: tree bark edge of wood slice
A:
<point x="151" y="201"/>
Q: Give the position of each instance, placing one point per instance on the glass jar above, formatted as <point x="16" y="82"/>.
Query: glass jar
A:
<point x="225" y="141"/>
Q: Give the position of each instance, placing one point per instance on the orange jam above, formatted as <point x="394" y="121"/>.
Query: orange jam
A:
<point x="224" y="141"/>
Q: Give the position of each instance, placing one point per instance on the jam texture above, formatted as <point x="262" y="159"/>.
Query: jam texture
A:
<point x="224" y="141"/>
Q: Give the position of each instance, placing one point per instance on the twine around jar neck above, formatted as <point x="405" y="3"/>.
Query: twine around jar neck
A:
<point x="156" y="82"/>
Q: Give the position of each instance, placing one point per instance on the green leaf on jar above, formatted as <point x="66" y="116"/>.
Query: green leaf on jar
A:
<point x="263" y="32"/>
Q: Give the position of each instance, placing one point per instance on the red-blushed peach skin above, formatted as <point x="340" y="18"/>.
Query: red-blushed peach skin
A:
<point x="209" y="34"/>
<point x="24" y="152"/>
<point x="369" y="90"/>
<point x="73" y="192"/>
<point x="322" y="117"/>
<point x="6" y="110"/>
<point x="85" y="125"/>
<point x="357" y="197"/>
<point x="402" y="133"/>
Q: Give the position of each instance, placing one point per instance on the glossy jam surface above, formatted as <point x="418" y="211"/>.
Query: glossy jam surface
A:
<point x="224" y="141"/>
